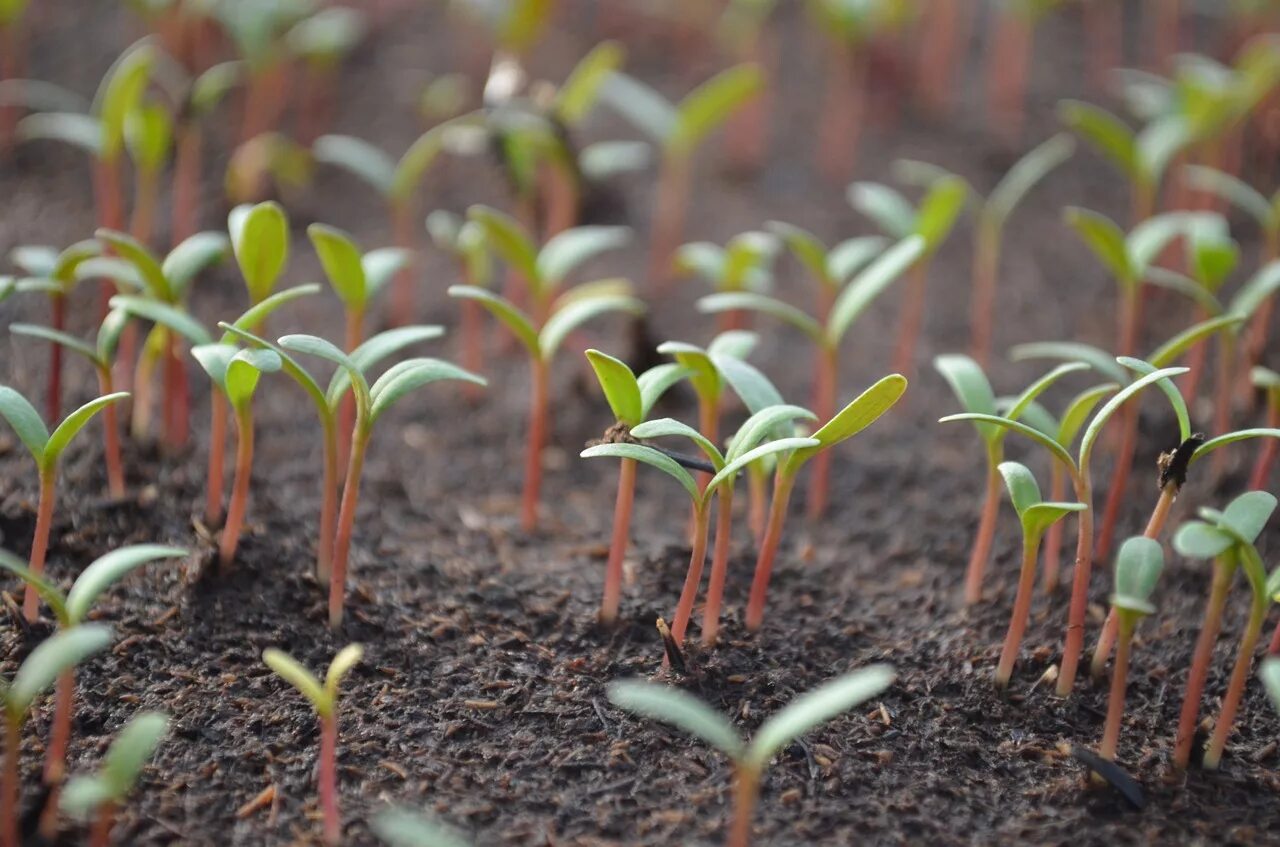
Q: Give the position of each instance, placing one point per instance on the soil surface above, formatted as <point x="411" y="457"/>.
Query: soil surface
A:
<point x="481" y="696"/>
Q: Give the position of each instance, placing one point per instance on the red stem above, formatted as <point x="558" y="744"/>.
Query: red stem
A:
<point x="328" y="777"/>
<point x="719" y="566"/>
<point x="9" y="786"/>
<point x="1115" y="703"/>
<point x="40" y="542"/>
<point x="403" y="294"/>
<point x="1007" y="74"/>
<point x="111" y="438"/>
<point x="1222" y="398"/>
<point x="12" y="60"/>
<point x="1053" y="537"/>
<point x="177" y="407"/>
<point x="1103" y="27"/>
<point x="825" y="409"/>
<point x="110" y="202"/>
<point x="217" y="456"/>
<point x="1021" y="610"/>
<point x="1235" y="688"/>
<point x="146" y="187"/>
<point x="1200" y="660"/>
<point x="912" y="319"/>
<point x="102" y="825"/>
<point x="843" y="107"/>
<point x="667" y="223"/>
<point x="757" y="511"/>
<point x="746" y="793"/>
<point x="472" y="347"/>
<point x="1267" y="454"/>
<point x="1196" y="358"/>
<point x="1118" y="487"/>
<point x="768" y="549"/>
<point x="537" y="439"/>
<point x="186" y="182"/>
<point x="618" y="546"/>
<point x="143" y="392"/>
<point x="328" y="505"/>
<point x="58" y="320"/>
<point x="986" y="271"/>
<point x="346" y="524"/>
<point x="55" y="759"/>
<point x="347" y="407"/>
<point x="1165" y="20"/>
<point x="748" y="135"/>
<point x="240" y="487"/>
<point x="693" y="577"/>
<point x="945" y="39"/>
<point x="1073" y="644"/>
<point x="981" y="552"/>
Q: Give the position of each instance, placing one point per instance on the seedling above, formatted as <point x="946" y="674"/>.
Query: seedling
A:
<point x="631" y="398"/>
<point x="53" y="272"/>
<point x="371" y="403"/>
<point x="827" y="333"/>
<point x="46" y="449"/>
<point x="993" y="213"/>
<point x="327" y="404"/>
<point x="267" y="163"/>
<point x="746" y="449"/>
<point x="1078" y="469"/>
<point x="397" y="183"/>
<point x="552" y="319"/>
<point x="932" y="221"/>
<point x="1036" y="516"/>
<point x="972" y="388"/>
<point x="1227" y="537"/>
<point x="744" y="264"/>
<point x="1010" y="60"/>
<point x="198" y="98"/>
<point x="101" y="794"/>
<point x="403" y="828"/>
<point x="46" y="663"/>
<point x="743" y="30"/>
<point x="1270" y="675"/>
<point x="465" y="243"/>
<point x="1138" y="566"/>
<point x="324" y="699"/>
<point x="148" y="137"/>
<point x="1269" y="382"/>
<point x="321" y="41"/>
<point x="693" y="716"/>
<point x="71" y="610"/>
<point x="260" y="243"/>
<point x="102" y="355"/>
<point x="258" y="31"/>
<point x="863" y="411"/>
<point x="679" y="129"/>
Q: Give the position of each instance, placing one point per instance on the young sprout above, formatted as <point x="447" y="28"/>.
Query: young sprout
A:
<point x="552" y="319"/>
<point x="148" y="137"/>
<point x="465" y="243"/>
<point x="861" y="412"/>
<point x="726" y="467"/>
<point x="198" y="98"/>
<point x="403" y="828"/>
<point x="972" y="388"/>
<point x="371" y="403"/>
<point x="260" y="242"/>
<point x="46" y="449"/>
<point x="267" y="163"/>
<point x="743" y="265"/>
<point x="828" y="329"/>
<point x="72" y="609"/>
<point x="397" y="183"/>
<point x="1138" y="566"/>
<point x="631" y="398"/>
<point x="944" y="199"/>
<point x="1079" y="471"/>
<point x="1010" y="59"/>
<point x="101" y="794"/>
<point x="46" y="663"/>
<point x="1228" y="538"/>
<point x="324" y="699"/>
<point x="102" y="356"/>
<point x="53" y="273"/>
<point x="1270" y="674"/>
<point x="1036" y="516"/>
<point x="1269" y="382"/>
<point x="258" y="31"/>
<point x="236" y="373"/>
<point x="679" y="129"/>
<point x="321" y="41"/>
<point x="743" y="30"/>
<point x="327" y="403"/>
<point x="693" y="716"/>
<point x="994" y="212"/>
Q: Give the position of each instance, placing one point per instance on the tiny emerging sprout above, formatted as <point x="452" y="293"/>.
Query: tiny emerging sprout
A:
<point x="53" y="273"/>
<point x="807" y="712"/>
<point x="46" y="449"/>
<point x="1226" y="537"/>
<point x="1270" y="674"/>
<point x="101" y="794"/>
<point x="933" y="220"/>
<point x="403" y="828"/>
<point x="1269" y="381"/>
<point x="1036" y="516"/>
<point x="324" y="699"/>
<point x="371" y="403"/>
<point x="972" y="388"/>
<point x="47" y="662"/>
<point x="1138" y="566"/>
<point x="842" y="305"/>
<point x="236" y="373"/>
<point x="631" y="398"/>
<point x="102" y="355"/>
<point x="72" y="610"/>
<point x="679" y="129"/>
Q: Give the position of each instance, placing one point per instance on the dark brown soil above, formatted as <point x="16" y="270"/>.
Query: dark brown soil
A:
<point x="482" y="693"/>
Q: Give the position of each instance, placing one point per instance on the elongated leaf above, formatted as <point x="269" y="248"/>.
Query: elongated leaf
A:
<point x="140" y="257"/>
<point x="402" y="828"/>
<point x="291" y="671"/>
<point x="361" y="159"/>
<point x="868" y="285"/>
<point x="56" y="337"/>
<point x="777" y="447"/>
<point x="132" y="748"/>
<point x="163" y="315"/>
<point x="117" y="270"/>
<point x="1183" y="286"/>
<point x="313" y="346"/>
<point x="1265" y="378"/>
<point x="287" y="363"/>
<point x="380" y="267"/>
<point x="1235" y="191"/>
<point x="260" y="239"/>
<point x="1158" y="143"/>
<point x="81" y="131"/>
<point x="737" y="343"/>
<point x="1071" y="351"/>
<point x="1029" y="171"/>
<point x="1024" y="491"/>
<point x="1231" y="438"/>
<point x="1138" y="566"/>
<point x="1170" y="391"/>
<point x="887" y="208"/>
<point x="731" y="301"/>
<point x="214" y="359"/>
<point x="710" y="105"/>
<point x="1029" y="395"/>
<point x="1041" y="516"/>
<point x="1247" y="515"/>
<point x="971" y="387"/>
<point x="861" y="412"/>
<point x="73" y="423"/>
<point x="510" y="241"/>
<point x="852" y="255"/>
<point x="773" y="419"/>
<point x="605" y="160"/>
<point x="192" y="256"/>
<point x="107" y="570"/>
<point x="405" y="376"/>
<point x="1059" y="452"/>
<point x="680" y="710"/>
<point x="1105" y="133"/>
<point x="340" y="259"/>
<point x="566" y="251"/>
<point x="640" y="104"/>
<point x="620" y="387"/>
<point x="256" y="314"/>
<point x="1260" y="288"/>
<point x="670" y="428"/>
<point x="575" y="314"/>
<point x="374" y="350"/>
<point x="1172" y="350"/>
<point x="1106" y="241"/>
<point x="210" y="87"/>
<point x="578" y="95"/>
<point x="121" y="91"/>
<point x="939" y="210"/>
<point x="1094" y="429"/>
<point x="148" y="135"/>
<point x="504" y="310"/>
<point x="806" y="247"/>
<point x="648" y="456"/>
<point x="346" y="659"/>
<point x="656" y="381"/>
<point x="244" y="370"/>
<point x="817" y="707"/>
<point x="1151" y="237"/>
<point x="83" y="795"/>
<point x="37" y="260"/>
<point x="47" y="591"/>
<point x="748" y="382"/>
<point x="59" y="652"/>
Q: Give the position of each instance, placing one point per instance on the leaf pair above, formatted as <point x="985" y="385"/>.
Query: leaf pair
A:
<point x="128" y="754"/>
<point x="1035" y="515"/>
<point x="1139" y="563"/>
<point x="45" y="447"/>
<point x="57" y="654"/>
<point x="322" y="696"/>
<point x="945" y="197"/>
<point x="355" y="277"/>
<point x="630" y="397"/>
<point x="1232" y="533"/>
<point x="235" y="371"/>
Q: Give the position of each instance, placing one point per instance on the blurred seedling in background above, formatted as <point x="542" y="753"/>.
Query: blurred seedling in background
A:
<point x="101" y="795"/>
<point x="465" y="244"/>
<point x="321" y="42"/>
<point x="743" y="264"/>
<point x="398" y="827"/>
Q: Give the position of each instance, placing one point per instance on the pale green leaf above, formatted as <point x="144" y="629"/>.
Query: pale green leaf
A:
<point x="346" y="659"/>
<point x="575" y="314"/>
<point x="381" y="265"/>
<point x="860" y="413"/>
<point x="1094" y="429"/>
<point x="259" y="312"/>
<point x="73" y="423"/>
<point x="404" y="377"/>
<point x="504" y="310"/>
<point x="971" y="387"/>
<point x="340" y="259"/>
<point x="129" y="249"/>
<point x="640" y="104"/>
<point x="109" y="569"/>
<point x="777" y="447"/>
<point x="580" y="91"/>
<point x="887" y="208"/>
<point x="260" y="239"/>
<point x="402" y="828"/>
<point x="1138" y="566"/>
<point x="670" y="428"/>
<point x="656" y="381"/>
<point x="291" y="671"/>
<point x="47" y="591"/>
<point x="192" y="256"/>
<point x="620" y="387"/>
<point x="164" y="315"/>
<point x="130" y="751"/>
<point x="62" y="339"/>
<point x="1106" y="241"/>
<point x="509" y="240"/>
<point x="566" y="251"/>
<point x="1059" y="452"/>
<point x="648" y="456"/>
<point x="1071" y="351"/>
<point x="1024" y="492"/>
<point x="748" y="382"/>
<point x="1105" y="133"/>
<point x="770" y="420"/>
<point x="58" y="653"/>
<point x="732" y="301"/>
<point x="1260" y="288"/>
<point x="870" y="283"/>
<point x="680" y="710"/>
<point x="710" y="105"/>
<point x="80" y="131"/>
<point x="1026" y="173"/>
